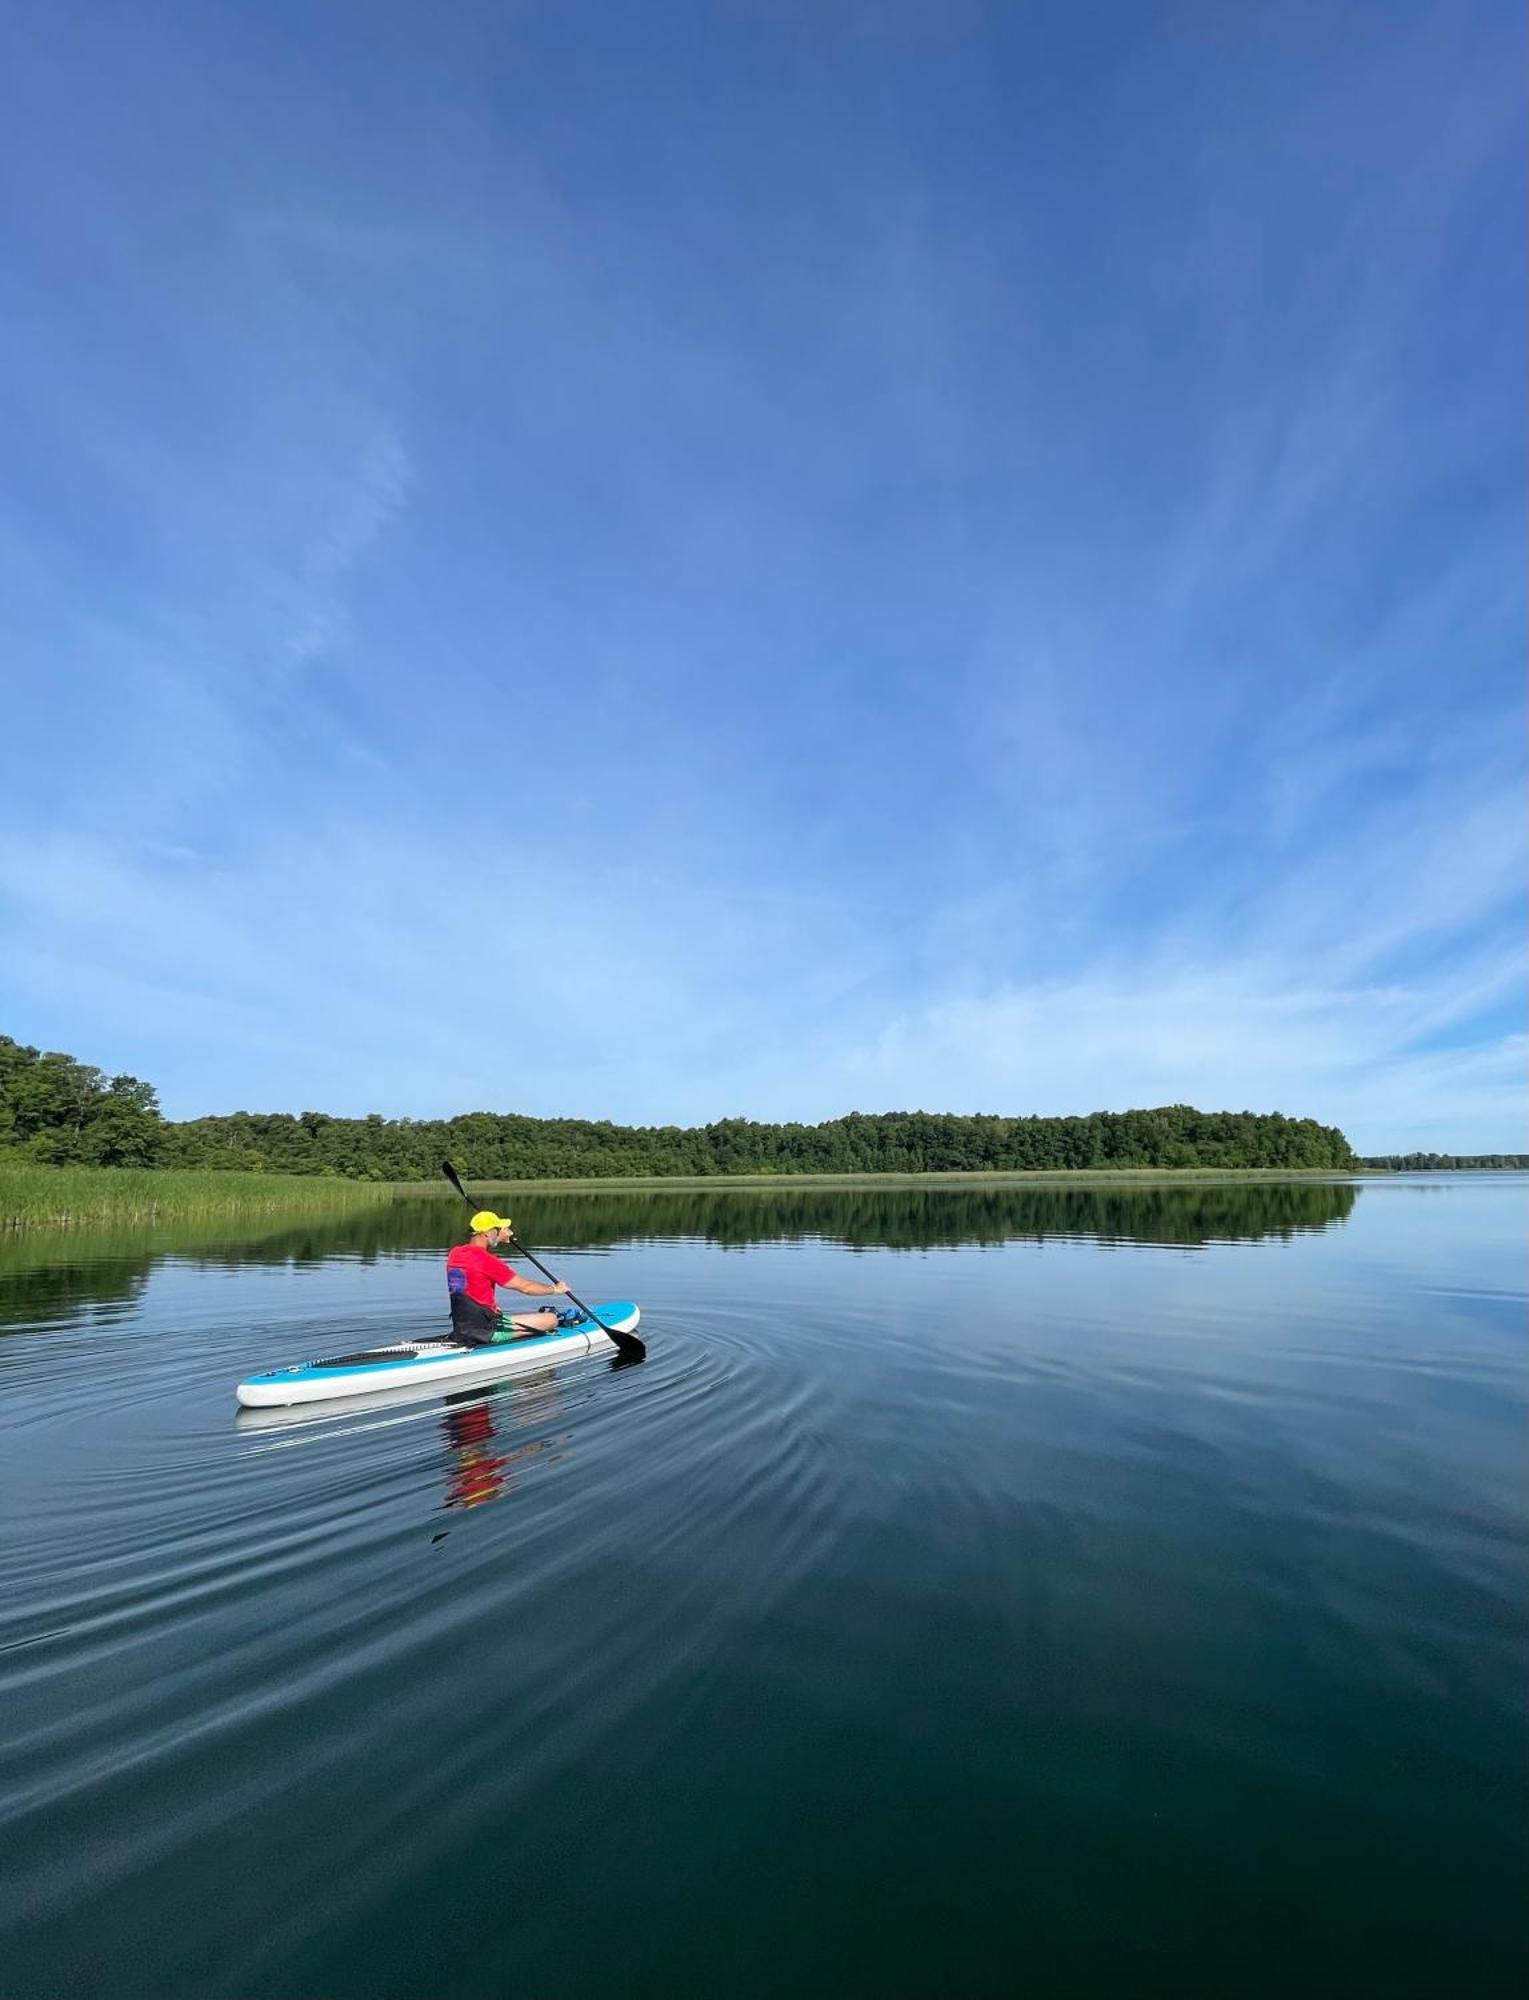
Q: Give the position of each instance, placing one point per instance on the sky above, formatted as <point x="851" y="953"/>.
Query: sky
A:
<point x="769" y="557"/>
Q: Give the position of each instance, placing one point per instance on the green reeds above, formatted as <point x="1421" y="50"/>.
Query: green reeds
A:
<point x="38" y="1197"/>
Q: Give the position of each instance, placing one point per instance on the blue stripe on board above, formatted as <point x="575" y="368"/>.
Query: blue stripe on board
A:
<point x="308" y="1371"/>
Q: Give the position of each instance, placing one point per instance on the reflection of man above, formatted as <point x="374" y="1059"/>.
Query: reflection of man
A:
<point x="477" y="1475"/>
<point x="472" y="1274"/>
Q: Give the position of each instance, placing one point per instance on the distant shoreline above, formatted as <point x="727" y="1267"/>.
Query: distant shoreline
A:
<point x="41" y="1197"/>
<point x="960" y="1176"/>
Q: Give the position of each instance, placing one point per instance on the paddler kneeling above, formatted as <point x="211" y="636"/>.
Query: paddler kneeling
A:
<point x="473" y="1271"/>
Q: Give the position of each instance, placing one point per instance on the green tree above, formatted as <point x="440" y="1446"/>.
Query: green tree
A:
<point x="70" y="1113"/>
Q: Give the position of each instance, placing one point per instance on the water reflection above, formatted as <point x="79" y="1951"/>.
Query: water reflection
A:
<point x="482" y="1460"/>
<point x="925" y="1217"/>
<point x="479" y="1470"/>
<point x="1080" y="1552"/>
<point x="52" y="1275"/>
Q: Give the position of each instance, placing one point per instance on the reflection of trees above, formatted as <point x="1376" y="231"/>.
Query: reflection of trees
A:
<point x="867" y="1216"/>
<point x="921" y="1218"/>
<point x="46" y="1275"/>
<point x="48" y="1272"/>
<point x="52" y="1273"/>
<point x="30" y="1292"/>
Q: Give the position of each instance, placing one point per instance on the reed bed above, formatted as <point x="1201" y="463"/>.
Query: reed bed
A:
<point x="38" y="1197"/>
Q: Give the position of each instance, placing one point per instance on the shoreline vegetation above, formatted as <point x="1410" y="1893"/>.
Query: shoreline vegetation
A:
<point x="77" y="1145"/>
<point x="42" y="1197"/>
<point x="35" y="1196"/>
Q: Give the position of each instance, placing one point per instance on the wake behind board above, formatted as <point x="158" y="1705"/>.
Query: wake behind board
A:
<point x="413" y="1362"/>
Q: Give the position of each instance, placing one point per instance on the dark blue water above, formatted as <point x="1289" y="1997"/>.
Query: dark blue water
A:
<point x="976" y="1592"/>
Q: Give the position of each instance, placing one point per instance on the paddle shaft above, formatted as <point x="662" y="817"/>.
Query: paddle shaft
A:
<point x="628" y="1343"/>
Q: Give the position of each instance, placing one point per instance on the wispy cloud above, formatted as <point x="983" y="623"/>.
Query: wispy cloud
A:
<point x="1221" y="1037"/>
<point x="365" y="498"/>
<point x="880" y="566"/>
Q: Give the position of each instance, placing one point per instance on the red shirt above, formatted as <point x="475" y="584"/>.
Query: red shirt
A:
<point x="472" y="1269"/>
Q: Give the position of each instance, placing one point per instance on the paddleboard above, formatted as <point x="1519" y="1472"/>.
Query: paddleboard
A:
<point x="415" y="1362"/>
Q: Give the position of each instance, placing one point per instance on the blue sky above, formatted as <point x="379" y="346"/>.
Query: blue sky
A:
<point x="767" y="558"/>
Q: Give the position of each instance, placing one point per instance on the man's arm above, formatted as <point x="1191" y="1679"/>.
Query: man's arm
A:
<point x="515" y="1283"/>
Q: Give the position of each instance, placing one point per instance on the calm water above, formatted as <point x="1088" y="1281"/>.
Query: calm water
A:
<point x="976" y="1592"/>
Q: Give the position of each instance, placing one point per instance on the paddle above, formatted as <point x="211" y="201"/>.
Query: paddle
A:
<point x="628" y="1345"/>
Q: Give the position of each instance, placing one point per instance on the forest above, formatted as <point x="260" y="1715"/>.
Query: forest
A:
<point x="62" y="1112"/>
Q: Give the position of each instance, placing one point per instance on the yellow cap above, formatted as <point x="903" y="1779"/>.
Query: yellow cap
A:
<point x="486" y="1219"/>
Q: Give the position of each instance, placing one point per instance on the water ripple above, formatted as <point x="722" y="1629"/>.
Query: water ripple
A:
<point x="1028" y="1555"/>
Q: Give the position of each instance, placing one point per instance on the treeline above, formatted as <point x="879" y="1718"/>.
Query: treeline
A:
<point x="1411" y="1163"/>
<point x="508" y="1147"/>
<point x="56" y="1109"/>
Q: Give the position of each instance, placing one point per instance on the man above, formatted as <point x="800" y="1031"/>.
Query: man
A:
<point x="472" y="1273"/>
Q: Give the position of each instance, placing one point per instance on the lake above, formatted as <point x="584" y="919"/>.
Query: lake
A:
<point x="983" y="1590"/>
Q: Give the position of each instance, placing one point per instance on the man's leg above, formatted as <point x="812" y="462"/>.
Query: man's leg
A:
<point x="515" y="1325"/>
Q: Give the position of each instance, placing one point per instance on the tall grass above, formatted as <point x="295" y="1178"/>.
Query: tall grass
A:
<point x="38" y="1197"/>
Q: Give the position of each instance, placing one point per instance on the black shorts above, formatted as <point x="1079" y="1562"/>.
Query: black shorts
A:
<point x="471" y="1323"/>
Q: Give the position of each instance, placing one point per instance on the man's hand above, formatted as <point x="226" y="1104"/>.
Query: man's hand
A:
<point x="560" y="1286"/>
